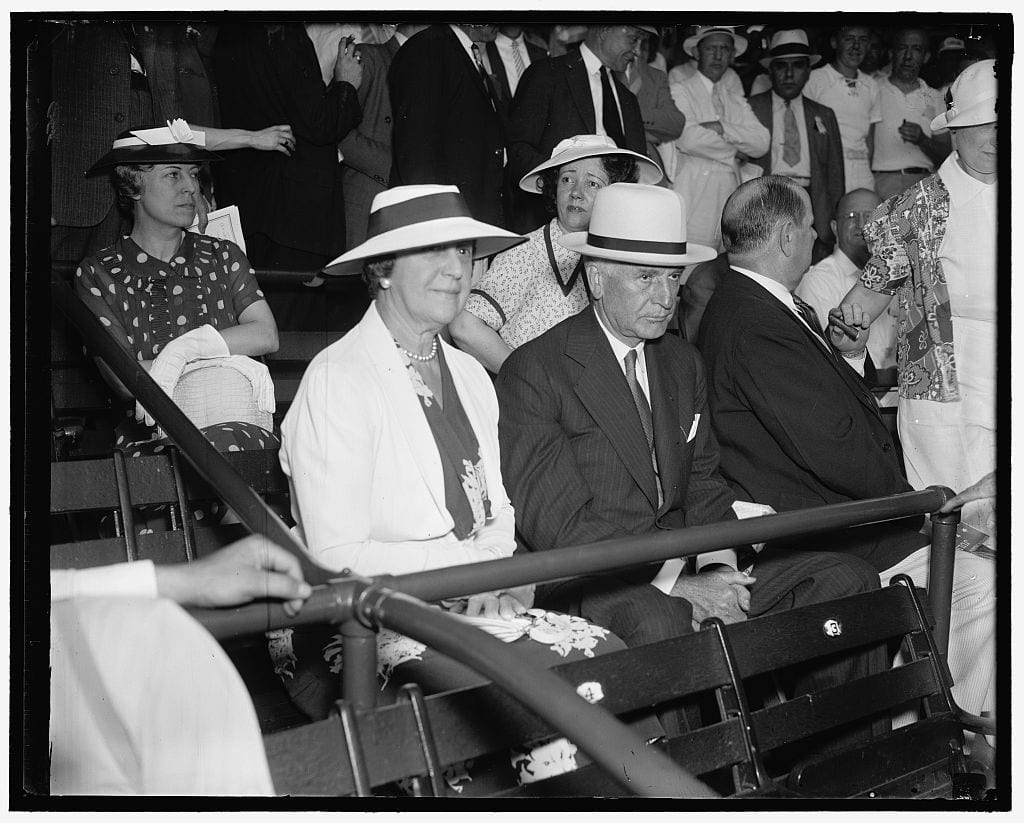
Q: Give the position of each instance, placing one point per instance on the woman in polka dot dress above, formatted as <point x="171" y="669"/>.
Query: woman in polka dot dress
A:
<point x="167" y="295"/>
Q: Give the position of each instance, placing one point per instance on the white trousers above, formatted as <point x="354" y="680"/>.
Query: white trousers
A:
<point x="144" y="701"/>
<point x="971" y="656"/>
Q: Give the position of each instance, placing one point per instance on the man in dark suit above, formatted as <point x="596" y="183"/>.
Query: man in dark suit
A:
<point x="797" y="426"/>
<point x="605" y="433"/>
<point x="560" y="97"/>
<point x="366" y="150"/>
<point x="447" y="126"/>
<point x="505" y="69"/>
<point x="809" y="149"/>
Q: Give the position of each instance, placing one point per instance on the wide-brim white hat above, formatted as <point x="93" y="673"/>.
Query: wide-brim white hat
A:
<point x="636" y="223"/>
<point x="407" y="218"/>
<point x="590" y="145"/>
<point x="789" y="43"/>
<point x="739" y="42"/>
<point x="972" y="98"/>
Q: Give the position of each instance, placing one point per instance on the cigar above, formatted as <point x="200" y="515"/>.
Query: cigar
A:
<point x="850" y="331"/>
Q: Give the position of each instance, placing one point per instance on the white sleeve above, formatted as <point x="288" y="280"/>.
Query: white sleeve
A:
<point x="136" y="579"/>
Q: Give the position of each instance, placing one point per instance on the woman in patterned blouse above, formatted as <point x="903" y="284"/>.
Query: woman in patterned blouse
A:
<point x="532" y="287"/>
<point x="169" y="296"/>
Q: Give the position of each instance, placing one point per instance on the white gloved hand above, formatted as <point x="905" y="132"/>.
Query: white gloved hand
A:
<point x="204" y="343"/>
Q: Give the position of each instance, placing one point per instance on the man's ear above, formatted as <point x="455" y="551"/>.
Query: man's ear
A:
<point x="595" y="278"/>
<point x="832" y="224"/>
<point x="787" y="231"/>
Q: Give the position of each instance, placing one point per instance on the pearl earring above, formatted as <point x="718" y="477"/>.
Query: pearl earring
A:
<point x="385" y="282"/>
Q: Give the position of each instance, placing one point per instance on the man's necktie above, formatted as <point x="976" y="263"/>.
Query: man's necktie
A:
<point x="483" y="75"/>
<point x="790" y="137"/>
<point x="810" y="316"/>
<point x="716" y="101"/>
<point x="610" y="118"/>
<point x="643" y="408"/>
<point x="517" y="59"/>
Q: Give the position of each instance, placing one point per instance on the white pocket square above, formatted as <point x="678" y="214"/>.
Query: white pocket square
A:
<point x="693" y="428"/>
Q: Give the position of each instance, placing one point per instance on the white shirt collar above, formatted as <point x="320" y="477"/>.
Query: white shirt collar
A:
<point x="776" y="289"/>
<point x="620" y="349"/>
<point x="707" y="81"/>
<point x="400" y="38"/>
<point x="796" y="104"/>
<point x="507" y="42"/>
<point x="467" y="44"/>
<point x="962" y="187"/>
<point x="590" y="60"/>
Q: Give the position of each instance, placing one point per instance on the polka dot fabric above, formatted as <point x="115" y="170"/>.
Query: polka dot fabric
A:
<point x="208" y="280"/>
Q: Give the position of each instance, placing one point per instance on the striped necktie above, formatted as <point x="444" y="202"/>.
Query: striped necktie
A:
<point x="810" y="317"/>
<point x="483" y="75"/>
<point x="517" y="59"/>
<point x="643" y="408"/>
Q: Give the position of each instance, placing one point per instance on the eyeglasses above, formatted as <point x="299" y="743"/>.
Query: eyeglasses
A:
<point x="858" y="217"/>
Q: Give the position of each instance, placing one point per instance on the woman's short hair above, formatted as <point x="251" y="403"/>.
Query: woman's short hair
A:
<point x="756" y="208"/>
<point x="374" y="270"/>
<point x="620" y="168"/>
<point x="127" y="182"/>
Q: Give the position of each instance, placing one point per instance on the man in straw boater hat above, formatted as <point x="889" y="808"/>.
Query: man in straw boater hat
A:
<point x="604" y="433"/>
<point x="805" y="141"/>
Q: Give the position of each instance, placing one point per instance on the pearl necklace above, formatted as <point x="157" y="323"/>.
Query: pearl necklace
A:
<point x="422" y="358"/>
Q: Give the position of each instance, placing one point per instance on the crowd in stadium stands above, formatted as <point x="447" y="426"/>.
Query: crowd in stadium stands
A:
<point x="743" y="234"/>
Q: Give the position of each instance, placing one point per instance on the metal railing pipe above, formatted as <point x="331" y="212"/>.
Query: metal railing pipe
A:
<point x="618" y="749"/>
<point x="940" y="573"/>
<point x="332" y="603"/>
<point x="209" y="463"/>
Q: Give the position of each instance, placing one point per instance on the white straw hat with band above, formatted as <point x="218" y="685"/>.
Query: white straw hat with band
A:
<point x="173" y="143"/>
<point x="406" y="218"/>
<point x="972" y="98"/>
<point x="635" y="223"/>
<point x="789" y="43"/>
<point x="690" y="44"/>
<point x="590" y="145"/>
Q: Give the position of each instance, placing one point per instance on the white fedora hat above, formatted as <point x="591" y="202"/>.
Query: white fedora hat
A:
<point x="972" y="98"/>
<point x="738" y="41"/>
<point x="589" y="145"/>
<point x="634" y="223"/>
<point x="406" y="218"/>
<point x="789" y="43"/>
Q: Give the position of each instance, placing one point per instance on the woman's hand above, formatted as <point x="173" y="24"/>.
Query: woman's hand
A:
<point x="273" y="138"/>
<point x="505" y="604"/>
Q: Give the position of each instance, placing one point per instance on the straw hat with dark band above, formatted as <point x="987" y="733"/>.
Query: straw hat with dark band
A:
<point x="173" y="143"/>
<point x="634" y="223"/>
<point x="790" y="43"/>
<point x="590" y="145"/>
<point x="407" y="218"/>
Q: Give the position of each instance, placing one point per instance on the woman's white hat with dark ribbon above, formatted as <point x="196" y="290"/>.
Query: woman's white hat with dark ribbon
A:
<point x="407" y="218"/>
<point x="635" y="223"/>
<point x="590" y="145"/>
<point x="972" y="98"/>
<point x="789" y="43"/>
<point x="173" y="143"/>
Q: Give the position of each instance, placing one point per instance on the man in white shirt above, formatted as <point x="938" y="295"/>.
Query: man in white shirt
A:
<point x="142" y="699"/>
<point x="853" y="96"/>
<point x="906" y="151"/>
<point x="721" y="133"/>
<point x="828" y="281"/>
<point x="510" y="55"/>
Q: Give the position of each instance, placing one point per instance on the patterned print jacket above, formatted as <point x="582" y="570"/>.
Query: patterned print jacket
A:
<point x="905" y="235"/>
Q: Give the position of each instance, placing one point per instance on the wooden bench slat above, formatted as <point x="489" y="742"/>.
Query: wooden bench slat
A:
<point x="160" y="547"/>
<point x="85" y="485"/>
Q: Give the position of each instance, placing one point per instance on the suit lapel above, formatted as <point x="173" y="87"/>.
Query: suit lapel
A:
<point x="666" y="402"/>
<point x="814" y="139"/>
<point x="848" y="375"/>
<point x="579" y="88"/>
<point x="403" y="403"/>
<point x="499" y="73"/>
<point x="468" y="64"/>
<point x="603" y="391"/>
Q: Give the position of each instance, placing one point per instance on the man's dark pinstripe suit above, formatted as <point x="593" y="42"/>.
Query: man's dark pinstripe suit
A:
<point x="576" y="466"/>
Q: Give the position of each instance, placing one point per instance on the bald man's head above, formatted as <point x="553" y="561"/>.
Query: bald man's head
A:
<point x="754" y="211"/>
<point x="852" y="211"/>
